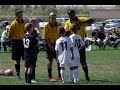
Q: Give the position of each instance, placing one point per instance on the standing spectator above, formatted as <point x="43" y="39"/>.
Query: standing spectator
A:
<point x="5" y="40"/>
<point x="30" y="43"/>
<point x="16" y="34"/>
<point x="50" y="35"/>
<point x="81" y="24"/>
<point x="64" y="53"/>
<point x="77" y="43"/>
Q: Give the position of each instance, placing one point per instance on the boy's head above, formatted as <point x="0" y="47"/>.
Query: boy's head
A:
<point x="34" y="21"/>
<point x="29" y="27"/>
<point x="61" y="30"/>
<point x="73" y="28"/>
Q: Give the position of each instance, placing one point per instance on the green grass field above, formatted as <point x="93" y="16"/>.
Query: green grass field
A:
<point x="103" y="68"/>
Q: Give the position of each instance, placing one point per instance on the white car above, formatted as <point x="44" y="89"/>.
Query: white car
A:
<point x="62" y="20"/>
<point x="110" y="26"/>
<point x="42" y="24"/>
<point x="96" y="25"/>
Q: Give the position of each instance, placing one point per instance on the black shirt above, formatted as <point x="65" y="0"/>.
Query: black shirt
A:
<point x="30" y="43"/>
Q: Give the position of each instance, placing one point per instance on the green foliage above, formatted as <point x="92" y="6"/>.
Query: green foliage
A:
<point x="39" y="10"/>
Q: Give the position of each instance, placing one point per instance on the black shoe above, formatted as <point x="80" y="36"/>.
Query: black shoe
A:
<point x="88" y="79"/>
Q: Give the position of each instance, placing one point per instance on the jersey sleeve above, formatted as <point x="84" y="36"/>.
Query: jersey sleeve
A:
<point x="11" y="30"/>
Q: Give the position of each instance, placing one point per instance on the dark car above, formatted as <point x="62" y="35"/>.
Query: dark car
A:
<point x="3" y="24"/>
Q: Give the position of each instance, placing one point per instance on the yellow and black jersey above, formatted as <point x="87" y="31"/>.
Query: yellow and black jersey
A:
<point x="81" y="23"/>
<point x="17" y="30"/>
<point x="50" y="32"/>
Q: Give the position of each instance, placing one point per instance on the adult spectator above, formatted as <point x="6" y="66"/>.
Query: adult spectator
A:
<point x="100" y="38"/>
<point x="5" y="40"/>
<point x="114" y="37"/>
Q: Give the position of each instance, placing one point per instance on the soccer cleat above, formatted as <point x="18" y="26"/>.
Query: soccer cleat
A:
<point x="33" y="81"/>
<point x="51" y="79"/>
<point x="59" y="78"/>
<point x="18" y="77"/>
<point x="75" y="81"/>
<point x="88" y="79"/>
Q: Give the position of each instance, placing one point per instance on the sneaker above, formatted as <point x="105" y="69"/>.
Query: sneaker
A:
<point x="51" y="79"/>
<point x="59" y="78"/>
<point x="63" y="81"/>
<point x="75" y="81"/>
<point x="33" y="81"/>
<point x="18" y="77"/>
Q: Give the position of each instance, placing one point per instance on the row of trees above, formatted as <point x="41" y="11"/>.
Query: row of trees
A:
<point x="37" y="10"/>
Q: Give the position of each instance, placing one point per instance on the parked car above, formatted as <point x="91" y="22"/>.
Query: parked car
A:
<point x="96" y="25"/>
<point x="62" y="20"/>
<point x="42" y="24"/>
<point x="110" y="26"/>
<point x="108" y="21"/>
<point x="3" y="24"/>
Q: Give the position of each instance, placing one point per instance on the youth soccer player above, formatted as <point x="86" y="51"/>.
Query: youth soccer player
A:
<point x="37" y="34"/>
<point x="30" y="43"/>
<point x="77" y="43"/>
<point x="64" y="52"/>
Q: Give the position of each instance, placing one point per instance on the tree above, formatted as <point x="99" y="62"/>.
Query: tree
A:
<point x="4" y="6"/>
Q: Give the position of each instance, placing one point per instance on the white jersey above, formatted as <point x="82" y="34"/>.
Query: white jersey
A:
<point x="76" y="42"/>
<point x="4" y="36"/>
<point x="63" y="45"/>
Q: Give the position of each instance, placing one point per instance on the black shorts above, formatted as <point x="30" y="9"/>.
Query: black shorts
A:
<point x="30" y="63"/>
<point x="17" y="50"/>
<point x="30" y="60"/>
<point x="50" y="54"/>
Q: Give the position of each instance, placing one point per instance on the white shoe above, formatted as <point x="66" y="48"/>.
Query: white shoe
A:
<point x="75" y="81"/>
<point x="33" y="81"/>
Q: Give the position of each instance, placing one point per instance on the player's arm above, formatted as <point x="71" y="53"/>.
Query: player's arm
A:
<point x="88" y="20"/>
<point x="11" y="30"/>
<point x="57" y="55"/>
<point x="82" y="44"/>
<point x="66" y="26"/>
<point x="56" y="51"/>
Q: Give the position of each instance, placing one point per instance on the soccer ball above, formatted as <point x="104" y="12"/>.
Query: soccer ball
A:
<point x="8" y="72"/>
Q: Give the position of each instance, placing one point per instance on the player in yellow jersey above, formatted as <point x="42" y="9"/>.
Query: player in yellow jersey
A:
<point x="50" y="35"/>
